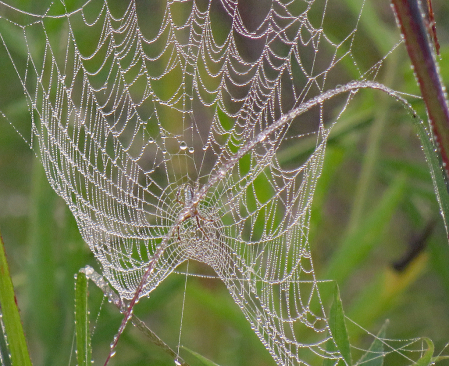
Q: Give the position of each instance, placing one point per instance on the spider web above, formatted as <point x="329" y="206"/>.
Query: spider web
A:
<point x="166" y="127"/>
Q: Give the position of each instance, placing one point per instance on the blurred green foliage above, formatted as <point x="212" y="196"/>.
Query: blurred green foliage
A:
<point x="374" y="196"/>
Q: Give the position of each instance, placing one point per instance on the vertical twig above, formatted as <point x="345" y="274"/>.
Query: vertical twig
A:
<point x="419" y="42"/>
<point x="115" y="299"/>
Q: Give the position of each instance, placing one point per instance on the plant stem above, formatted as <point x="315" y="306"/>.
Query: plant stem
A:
<point x="422" y="55"/>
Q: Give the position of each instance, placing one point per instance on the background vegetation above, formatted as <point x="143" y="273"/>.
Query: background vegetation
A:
<point x="374" y="199"/>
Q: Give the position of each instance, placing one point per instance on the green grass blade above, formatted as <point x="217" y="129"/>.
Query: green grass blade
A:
<point x="337" y="327"/>
<point x="426" y="359"/>
<point x="331" y="348"/>
<point x="436" y="172"/>
<point x="201" y="360"/>
<point x="11" y="318"/>
<point x="375" y="355"/>
<point x="5" y="358"/>
<point x="83" y="344"/>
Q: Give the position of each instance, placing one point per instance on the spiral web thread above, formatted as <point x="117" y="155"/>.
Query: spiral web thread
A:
<point x="155" y="122"/>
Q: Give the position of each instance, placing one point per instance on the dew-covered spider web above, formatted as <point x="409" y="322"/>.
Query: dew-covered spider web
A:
<point x="167" y="128"/>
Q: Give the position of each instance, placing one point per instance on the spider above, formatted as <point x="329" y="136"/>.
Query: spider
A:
<point x="190" y="209"/>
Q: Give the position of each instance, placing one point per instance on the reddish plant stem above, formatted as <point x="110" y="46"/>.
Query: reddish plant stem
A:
<point x="129" y="310"/>
<point x="419" y="47"/>
<point x="191" y="209"/>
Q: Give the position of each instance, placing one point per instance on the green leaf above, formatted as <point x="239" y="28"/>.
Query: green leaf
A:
<point x="427" y="358"/>
<point x="375" y="354"/>
<point x="83" y="344"/>
<point x="4" y="352"/>
<point x="433" y="162"/>
<point x="11" y="318"/>
<point x="203" y="361"/>
<point x="337" y="327"/>
<point x="332" y="349"/>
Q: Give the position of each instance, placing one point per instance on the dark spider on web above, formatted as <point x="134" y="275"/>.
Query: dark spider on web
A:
<point x="192" y="208"/>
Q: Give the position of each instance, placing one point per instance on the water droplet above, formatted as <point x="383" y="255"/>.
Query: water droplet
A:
<point x="164" y="151"/>
<point x="261" y="137"/>
<point x="183" y="145"/>
<point x="112" y="345"/>
<point x="88" y="270"/>
<point x="204" y="147"/>
<point x="151" y="140"/>
<point x="191" y="150"/>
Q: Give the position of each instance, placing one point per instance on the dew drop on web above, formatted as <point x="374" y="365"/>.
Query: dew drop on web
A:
<point x="183" y="145"/>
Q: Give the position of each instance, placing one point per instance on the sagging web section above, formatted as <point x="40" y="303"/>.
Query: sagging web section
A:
<point x="140" y="112"/>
